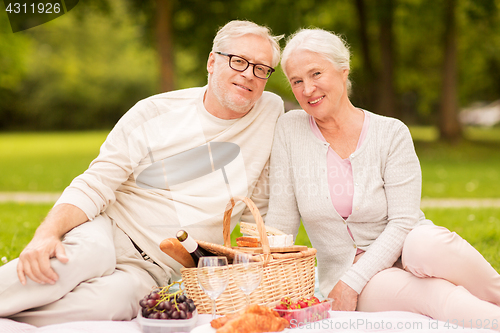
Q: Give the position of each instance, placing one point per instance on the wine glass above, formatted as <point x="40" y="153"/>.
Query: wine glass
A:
<point x="247" y="273"/>
<point x="213" y="277"/>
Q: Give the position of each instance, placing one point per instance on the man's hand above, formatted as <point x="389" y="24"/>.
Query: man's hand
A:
<point x="345" y="298"/>
<point x="34" y="260"/>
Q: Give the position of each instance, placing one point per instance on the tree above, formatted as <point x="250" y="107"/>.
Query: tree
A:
<point x="369" y="72"/>
<point x="387" y="93"/>
<point x="163" y="31"/>
<point x="449" y="125"/>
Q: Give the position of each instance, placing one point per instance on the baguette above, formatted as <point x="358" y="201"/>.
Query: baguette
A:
<point x="174" y="248"/>
<point x="251" y="229"/>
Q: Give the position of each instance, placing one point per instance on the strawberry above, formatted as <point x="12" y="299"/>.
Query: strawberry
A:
<point x="287" y="301"/>
<point x="303" y="304"/>
<point x="281" y="307"/>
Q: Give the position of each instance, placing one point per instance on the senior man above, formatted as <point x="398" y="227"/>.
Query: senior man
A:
<point x="172" y="162"/>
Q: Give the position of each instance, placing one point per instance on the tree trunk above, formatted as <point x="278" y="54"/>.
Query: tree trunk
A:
<point x="368" y="79"/>
<point x="387" y="93"/>
<point x="164" y="41"/>
<point x="449" y="125"/>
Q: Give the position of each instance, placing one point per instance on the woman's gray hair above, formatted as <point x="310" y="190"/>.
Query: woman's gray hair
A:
<point x="235" y="29"/>
<point x="322" y="42"/>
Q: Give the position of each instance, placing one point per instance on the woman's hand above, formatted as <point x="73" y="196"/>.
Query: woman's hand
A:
<point x="345" y="298"/>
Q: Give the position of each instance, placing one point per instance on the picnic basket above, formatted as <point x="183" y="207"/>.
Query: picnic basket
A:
<point x="284" y="274"/>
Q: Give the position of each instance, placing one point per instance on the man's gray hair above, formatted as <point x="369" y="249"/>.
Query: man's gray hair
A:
<point x="235" y="29"/>
<point x="322" y="42"/>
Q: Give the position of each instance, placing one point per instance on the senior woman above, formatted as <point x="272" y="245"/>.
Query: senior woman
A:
<point x="354" y="178"/>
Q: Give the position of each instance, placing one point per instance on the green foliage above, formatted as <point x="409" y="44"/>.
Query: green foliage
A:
<point x="13" y="56"/>
<point x="83" y="72"/>
<point x="88" y="67"/>
<point x="13" y="69"/>
<point x="479" y="42"/>
<point x="418" y="31"/>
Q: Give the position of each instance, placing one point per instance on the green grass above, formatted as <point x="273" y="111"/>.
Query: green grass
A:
<point x="18" y="223"/>
<point x="480" y="227"/>
<point x="469" y="169"/>
<point x="430" y="133"/>
<point x="49" y="161"/>
<point x="45" y="161"/>
<point x="20" y="220"/>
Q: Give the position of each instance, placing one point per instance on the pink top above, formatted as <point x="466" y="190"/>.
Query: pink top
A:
<point x="340" y="180"/>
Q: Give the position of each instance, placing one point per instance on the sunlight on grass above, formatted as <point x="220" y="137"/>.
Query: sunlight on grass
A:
<point x="483" y="133"/>
<point x="424" y="133"/>
<point x="48" y="162"/>
<point x="468" y="170"/>
<point x="45" y="161"/>
<point x="431" y="133"/>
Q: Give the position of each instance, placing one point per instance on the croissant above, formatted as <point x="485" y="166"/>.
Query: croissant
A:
<point x="254" y="319"/>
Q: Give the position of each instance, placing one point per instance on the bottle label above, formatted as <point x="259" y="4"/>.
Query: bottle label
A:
<point x="190" y="244"/>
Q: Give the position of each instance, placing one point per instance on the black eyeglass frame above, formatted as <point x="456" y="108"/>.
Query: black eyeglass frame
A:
<point x="272" y="70"/>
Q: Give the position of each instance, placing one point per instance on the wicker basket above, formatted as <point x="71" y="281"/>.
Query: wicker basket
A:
<point x="284" y="274"/>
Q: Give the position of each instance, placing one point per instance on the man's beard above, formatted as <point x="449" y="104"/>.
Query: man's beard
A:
<point x="227" y="99"/>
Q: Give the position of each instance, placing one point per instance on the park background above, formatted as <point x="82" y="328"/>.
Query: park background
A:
<point x="64" y="84"/>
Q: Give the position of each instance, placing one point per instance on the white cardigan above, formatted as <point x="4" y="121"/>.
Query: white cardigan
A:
<point x="386" y="201"/>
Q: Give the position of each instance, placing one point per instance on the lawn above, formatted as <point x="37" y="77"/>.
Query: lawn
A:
<point x="470" y="169"/>
<point x="47" y="162"/>
<point x="18" y="223"/>
<point x="481" y="227"/>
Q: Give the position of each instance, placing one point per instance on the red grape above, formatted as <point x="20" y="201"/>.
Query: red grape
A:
<point x="160" y="304"/>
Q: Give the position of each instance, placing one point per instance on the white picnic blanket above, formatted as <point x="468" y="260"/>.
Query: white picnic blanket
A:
<point x="339" y="321"/>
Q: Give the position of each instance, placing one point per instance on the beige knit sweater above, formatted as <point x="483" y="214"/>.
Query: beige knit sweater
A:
<point x="386" y="201"/>
<point x="168" y="164"/>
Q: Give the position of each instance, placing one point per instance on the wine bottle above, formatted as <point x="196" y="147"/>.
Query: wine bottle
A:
<point x="192" y="246"/>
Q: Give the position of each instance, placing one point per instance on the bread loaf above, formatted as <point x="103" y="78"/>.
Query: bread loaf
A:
<point x="248" y="242"/>
<point x="174" y="248"/>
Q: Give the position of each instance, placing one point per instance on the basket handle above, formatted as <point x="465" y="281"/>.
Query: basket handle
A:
<point x="226" y="231"/>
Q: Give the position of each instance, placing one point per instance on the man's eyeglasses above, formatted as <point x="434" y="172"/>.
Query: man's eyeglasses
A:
<point x="241" y="64"/>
